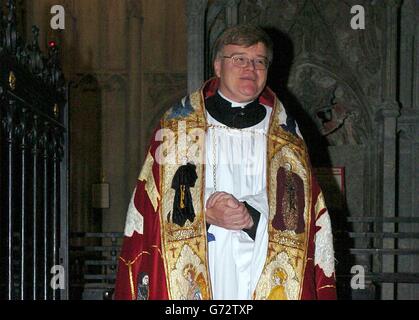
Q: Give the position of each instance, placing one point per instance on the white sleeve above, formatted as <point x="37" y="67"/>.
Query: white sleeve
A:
<point x="258" y="201"/>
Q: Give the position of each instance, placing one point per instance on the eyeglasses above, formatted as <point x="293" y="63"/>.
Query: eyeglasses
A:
<point x="243" y="62"/>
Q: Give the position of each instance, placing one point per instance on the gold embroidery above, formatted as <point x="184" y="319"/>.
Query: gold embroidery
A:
<point x="288" y="238"/>
<point x="131" y="282"/>
<point x="268" y="283"/>
<point x="188" y="280"/>
<point x="146" y="175"/>
<point x="175" y="238"/>
<point x="182" y="196"/>
<point x="308" y="201"/>
<point x="327" y="286"/>
<point x="287" y="250"/>
<point x="183" y="234"/>
<point x="278" y="292"/>
<point x="158" y="249"/>
<point x="289" y="203"/>
<point x="129" y="264"/>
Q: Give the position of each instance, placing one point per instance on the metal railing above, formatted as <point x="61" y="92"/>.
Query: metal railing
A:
<point x="33" y="165"/>
<point x="93" y="264"/>
<point x="367" y="249"/>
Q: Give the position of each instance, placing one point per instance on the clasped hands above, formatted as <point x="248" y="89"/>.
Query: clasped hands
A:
<point x="224" y="210"/>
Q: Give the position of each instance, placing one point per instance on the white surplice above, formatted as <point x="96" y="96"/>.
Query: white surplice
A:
<point x="235" y="260"/>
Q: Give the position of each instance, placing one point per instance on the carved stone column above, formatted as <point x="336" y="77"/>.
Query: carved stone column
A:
<point x="232" y="12"/>
<point x="407" y="200"/>
<point x="135" y="145"/>
<point x="196" y="42"/>
<point x="388" y="121"/>
<point x="408" y="39"/>
<point x="408" y="141"/>
<point x="390" y="74"/>
<point x="416" y="63"/>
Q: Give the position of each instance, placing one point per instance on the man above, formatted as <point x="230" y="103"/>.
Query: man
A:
<point x="227" y="195"/>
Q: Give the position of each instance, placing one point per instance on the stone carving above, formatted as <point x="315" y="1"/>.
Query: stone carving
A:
<point x="331" y="104"/>
<point x="250" y="11"/>
<point x="337" y="122"/>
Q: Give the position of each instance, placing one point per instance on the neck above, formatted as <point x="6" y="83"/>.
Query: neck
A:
<point x="234" y="104"/>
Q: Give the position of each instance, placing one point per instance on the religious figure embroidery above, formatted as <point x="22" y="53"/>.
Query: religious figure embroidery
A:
<point x="278" y="291"/>
<point x="290" y="202"/>
<point x="143" y="286"/>
<point x="194" y="289"/>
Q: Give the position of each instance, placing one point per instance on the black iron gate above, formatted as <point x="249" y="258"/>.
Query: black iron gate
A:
<point x="33" y="167"/>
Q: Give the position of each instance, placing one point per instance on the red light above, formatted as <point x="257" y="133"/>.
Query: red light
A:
<point x="52" y="44"/>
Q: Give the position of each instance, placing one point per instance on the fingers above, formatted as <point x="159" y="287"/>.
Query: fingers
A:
<point x="239" y="224"/>
<point x="229" y="199"/>
<point x="225" y="211"/>
<point x="218" y="216"/>
<point x="232" y="203"/>
<point x="214" y="198"/>
<point x="237" y="219"/>
<point x="239" y="210"/>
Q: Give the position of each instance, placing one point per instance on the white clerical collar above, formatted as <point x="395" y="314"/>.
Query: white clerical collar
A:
<point x="234" y="104"/>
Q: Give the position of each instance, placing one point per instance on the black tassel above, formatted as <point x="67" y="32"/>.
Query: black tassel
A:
<point x="184" y="178"/>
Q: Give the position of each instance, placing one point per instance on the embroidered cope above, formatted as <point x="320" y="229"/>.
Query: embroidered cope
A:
<point x="267" y="166"/>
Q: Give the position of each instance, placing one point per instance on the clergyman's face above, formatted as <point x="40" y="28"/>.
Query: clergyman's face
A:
<point x="241" y="84"/>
